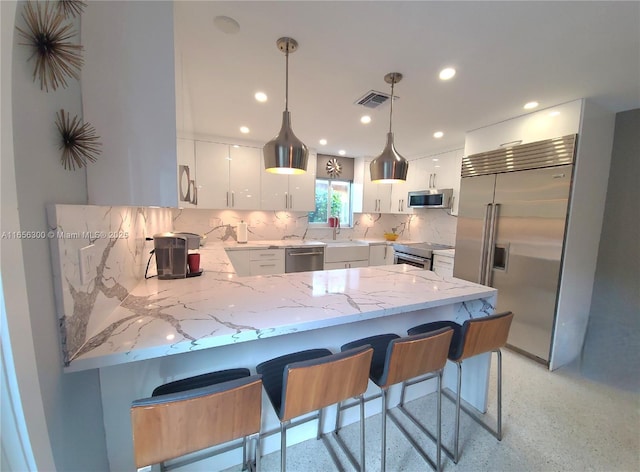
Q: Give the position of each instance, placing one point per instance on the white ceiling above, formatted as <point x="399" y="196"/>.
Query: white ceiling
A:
<point x="506" y="54"/>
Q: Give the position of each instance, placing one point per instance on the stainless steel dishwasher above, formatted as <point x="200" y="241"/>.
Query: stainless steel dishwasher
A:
<point x="302" y="259"/>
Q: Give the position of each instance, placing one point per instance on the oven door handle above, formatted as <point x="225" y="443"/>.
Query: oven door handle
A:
<point x="409" y="257"/>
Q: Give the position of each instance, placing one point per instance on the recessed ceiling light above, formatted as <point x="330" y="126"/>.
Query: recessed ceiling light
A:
<point x="435" y="159"/>
<point x="365" y="119"/>
<point x="554" y="113"/>
<point x="530" y="105"/>
<point x="323" y="142"/>
<point x="438" y="134"/>
<point x="244" y="129"/>
<point x="261" y="96"/>
<point x="342" y="152"/>
<point x="236" y="146"/>
<point x="226" y="24"/>
<point x="448" y="73"/>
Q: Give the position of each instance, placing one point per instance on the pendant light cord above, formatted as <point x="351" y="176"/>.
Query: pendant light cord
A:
<point x="393" y="82"/>
<point x="286" y="87"/>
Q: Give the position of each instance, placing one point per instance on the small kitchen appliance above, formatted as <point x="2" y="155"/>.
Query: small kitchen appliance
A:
<point x="171" y="251"/>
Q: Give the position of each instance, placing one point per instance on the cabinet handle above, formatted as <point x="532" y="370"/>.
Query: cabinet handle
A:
<point x="291" y="201"/>
<point x="194" y="199"/>
<point x="267" y="265"/>
<point x="434" y="180"/>
<point x="286" y="200"/>
<point x="227" y="198"/>
<point x="233" y="199"/>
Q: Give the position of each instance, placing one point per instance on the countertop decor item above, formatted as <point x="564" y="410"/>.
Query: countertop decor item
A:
<point x="56" y="57"/>
<point x="391" y="236"/>
<point x="71" y="7"/>
<point x="79" y="141"/>
<point x="286" y="154"/>
<point x="389" y="166"/>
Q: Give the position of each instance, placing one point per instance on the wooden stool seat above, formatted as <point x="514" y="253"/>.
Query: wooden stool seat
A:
<point x="171" y="425"/>
<point x="307" y="381"/>
<point x="396" y="360"/>
<point x="474" y="337"/>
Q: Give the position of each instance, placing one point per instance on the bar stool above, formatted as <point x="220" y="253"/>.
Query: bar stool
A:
<point x="474" y="337"/>
<point x="185" y="420"/>
<point x="306" y="381"/>
<point x="396" y="360"/>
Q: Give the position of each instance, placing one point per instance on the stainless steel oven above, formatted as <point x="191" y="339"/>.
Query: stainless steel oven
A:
<point x="416" y="254"/>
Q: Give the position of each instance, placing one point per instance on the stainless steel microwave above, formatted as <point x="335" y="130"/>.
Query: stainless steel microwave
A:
<point x="432" y="198"/>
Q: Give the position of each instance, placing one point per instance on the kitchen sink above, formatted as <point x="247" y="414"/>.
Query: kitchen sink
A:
<point x="338" y="251"/>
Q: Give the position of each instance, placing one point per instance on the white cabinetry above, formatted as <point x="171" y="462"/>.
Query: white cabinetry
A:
<point x="380" y="254"/>
<point x="443" y="264"/>
<point x="545" y="124"/>
<point x="228" y="176"/>
<point x="376" y="198"/>
<point x="290" y="192"/>
<point x="128" y="95"/>
<point x="267" y="261"/>
<point x="257" y="261"/>
<point x="439" y="171"/>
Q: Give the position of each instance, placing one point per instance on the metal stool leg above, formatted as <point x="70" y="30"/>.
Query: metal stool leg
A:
<point x="439" y="426"/>
<point x="457" y="431"/>
<point x="383" y="433"/>
<point x="283" y="446"/>
<point x="362" y="441"/>
<point x="499" y="435"/>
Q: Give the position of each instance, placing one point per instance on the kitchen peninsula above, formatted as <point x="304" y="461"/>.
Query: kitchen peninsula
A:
<point x="140" y="333"/>
<point x="219" y="320"/>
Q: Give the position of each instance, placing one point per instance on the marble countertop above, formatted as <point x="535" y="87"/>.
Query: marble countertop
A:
<point x="164" y="317"/>
<point x="289" y="243"/>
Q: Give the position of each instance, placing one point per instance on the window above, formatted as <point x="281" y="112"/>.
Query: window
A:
<point x="333" y="198"/>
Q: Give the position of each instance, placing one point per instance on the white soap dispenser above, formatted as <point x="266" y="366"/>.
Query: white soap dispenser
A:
<point x="242" y="232"/>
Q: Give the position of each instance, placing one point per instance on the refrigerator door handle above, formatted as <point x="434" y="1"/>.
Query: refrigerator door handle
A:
<point x="491" y="246"/>
<point x="484" y="243"/>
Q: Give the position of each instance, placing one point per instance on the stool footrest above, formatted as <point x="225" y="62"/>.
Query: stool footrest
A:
<point x="474" y="416"/>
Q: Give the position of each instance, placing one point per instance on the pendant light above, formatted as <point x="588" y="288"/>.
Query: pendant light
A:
<point x="389" y="166"/>
<point x="286" y="154"/>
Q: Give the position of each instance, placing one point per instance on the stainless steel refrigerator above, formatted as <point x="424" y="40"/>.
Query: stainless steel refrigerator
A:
<point x="511" y="230"/>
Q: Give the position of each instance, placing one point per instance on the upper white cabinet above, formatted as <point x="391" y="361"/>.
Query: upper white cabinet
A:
<point x="376" y="198"/>
<point x="227" y="176"/>
<point x="128" y="95"/>
<point x="290" y="192"/>
<point x="544" y="124"/>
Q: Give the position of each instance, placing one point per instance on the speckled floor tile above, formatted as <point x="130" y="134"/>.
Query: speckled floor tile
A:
<point x="552" y="421"/>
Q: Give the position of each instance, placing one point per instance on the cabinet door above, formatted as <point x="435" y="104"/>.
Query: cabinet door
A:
<point x="302" y="188"/>
<point x="244" y="177"/>
<point x="377" y="254"/>
<point x="212" y="161"/>
<point x="376" y="198"/>
<point x="241" y="261"/>
<point x="443" y="265"/>
<point x="290" y="192"/>
<point x="186" y="173"/>
<point x="275" y="191"/>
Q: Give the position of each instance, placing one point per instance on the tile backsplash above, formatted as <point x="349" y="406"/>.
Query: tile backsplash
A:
<point x="435" y="226"/>
<point x="119" y="251"/>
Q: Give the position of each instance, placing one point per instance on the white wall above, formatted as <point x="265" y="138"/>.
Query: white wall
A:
<point x="63" y="412"/>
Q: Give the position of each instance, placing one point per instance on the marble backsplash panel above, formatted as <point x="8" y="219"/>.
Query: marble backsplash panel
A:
<point x="118" y="261"/>
<point x="435" y="226"/>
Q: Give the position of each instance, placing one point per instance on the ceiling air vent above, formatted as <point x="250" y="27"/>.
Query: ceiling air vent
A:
<point x="373" y="99"/>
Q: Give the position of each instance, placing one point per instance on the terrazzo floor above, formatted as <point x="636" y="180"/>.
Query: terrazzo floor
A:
<point x="556" y="421"/>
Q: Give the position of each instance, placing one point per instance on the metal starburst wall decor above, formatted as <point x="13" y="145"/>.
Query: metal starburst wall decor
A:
<point x="79" y="142"/>
<point x="55" y="56"/>
<point x="71" y="7"/>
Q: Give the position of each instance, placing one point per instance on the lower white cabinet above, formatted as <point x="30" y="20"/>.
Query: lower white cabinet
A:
<point x="257" y="261"/>
<point x="345" y="265"/>
<point x="267" y="262"/>
<point x="443" y="265"/>
<point x="380" y="254"/>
